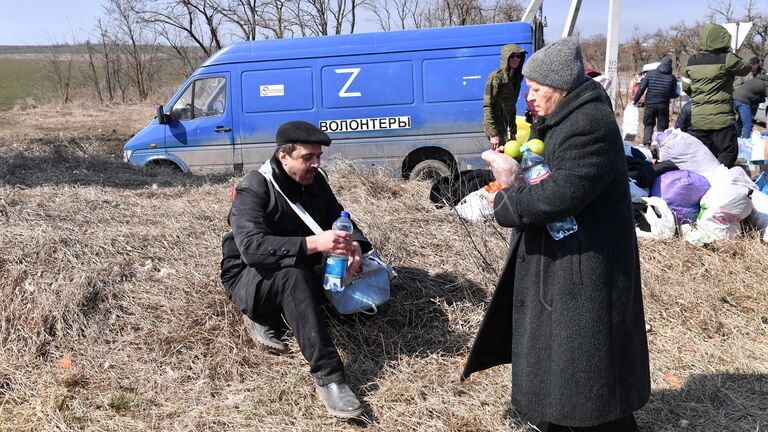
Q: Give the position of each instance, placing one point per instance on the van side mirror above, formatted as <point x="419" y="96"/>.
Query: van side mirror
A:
<point x="162" y="117"/>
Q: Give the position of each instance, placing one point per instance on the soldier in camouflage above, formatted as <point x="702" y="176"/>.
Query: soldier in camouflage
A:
<point x="502" y="89"/>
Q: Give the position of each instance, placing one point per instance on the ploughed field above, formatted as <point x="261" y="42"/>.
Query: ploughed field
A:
<point x="113" y="317"/>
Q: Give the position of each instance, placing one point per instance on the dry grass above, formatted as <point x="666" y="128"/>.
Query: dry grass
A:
<point x="118" y="268"/>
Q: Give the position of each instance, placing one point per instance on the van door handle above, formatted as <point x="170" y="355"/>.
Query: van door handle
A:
<point x="222" y="129"/>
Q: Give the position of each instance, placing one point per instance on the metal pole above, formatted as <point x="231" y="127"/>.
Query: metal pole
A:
<point x="530" y="11"/>
<point x="573" y="14"/>
<point x="612" y="47"/>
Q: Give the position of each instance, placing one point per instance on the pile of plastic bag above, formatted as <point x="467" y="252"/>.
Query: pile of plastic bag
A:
<point x="704" y="198"/>
<point x="687" y="192"/>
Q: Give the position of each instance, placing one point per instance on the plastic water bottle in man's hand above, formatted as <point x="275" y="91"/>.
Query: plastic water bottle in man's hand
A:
<point x="336" y="265"/>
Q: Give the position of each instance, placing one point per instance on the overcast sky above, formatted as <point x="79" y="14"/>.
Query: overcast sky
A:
<point x="36" y="22"/>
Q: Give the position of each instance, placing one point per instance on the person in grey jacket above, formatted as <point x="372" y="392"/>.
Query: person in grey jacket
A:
<point x="568" y="314"/>
<point x="659" y="86"/>
<point x="746" y="99"/>
<point x="271" y="265"/>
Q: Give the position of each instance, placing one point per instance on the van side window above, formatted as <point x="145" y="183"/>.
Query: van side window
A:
<point x="205" y="97"/>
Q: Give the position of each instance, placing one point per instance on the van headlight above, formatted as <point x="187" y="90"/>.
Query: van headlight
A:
<point x="127" y="155"/>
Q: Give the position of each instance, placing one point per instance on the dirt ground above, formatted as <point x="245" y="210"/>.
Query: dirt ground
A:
<point x="113" y="317"/>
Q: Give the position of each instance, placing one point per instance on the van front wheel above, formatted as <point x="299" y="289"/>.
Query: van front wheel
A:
<point x="431" y="170"/>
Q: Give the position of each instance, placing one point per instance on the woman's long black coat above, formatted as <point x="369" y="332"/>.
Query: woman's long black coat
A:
<point x="568" y="314"/>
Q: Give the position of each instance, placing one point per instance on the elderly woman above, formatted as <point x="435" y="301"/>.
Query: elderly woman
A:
<point x="568" y="314"/>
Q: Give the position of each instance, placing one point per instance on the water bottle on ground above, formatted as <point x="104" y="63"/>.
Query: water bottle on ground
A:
<point x="534" y="171"/>
<point x="336" y="265"/>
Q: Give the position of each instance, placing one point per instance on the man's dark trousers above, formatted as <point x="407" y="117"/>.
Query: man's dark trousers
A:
<point x="654" y="115"/>
<point x="723" y="143"/>
<point x="296" y="292"/>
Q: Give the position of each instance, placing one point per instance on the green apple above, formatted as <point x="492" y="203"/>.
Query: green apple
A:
<point x="536" y="146"/>
<point x="512" y="149"/>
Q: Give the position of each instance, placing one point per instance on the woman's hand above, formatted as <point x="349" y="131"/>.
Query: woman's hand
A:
<point x="495" y="141"/>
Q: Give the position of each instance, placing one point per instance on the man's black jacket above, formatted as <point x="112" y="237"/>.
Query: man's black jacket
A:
<point x="270" y="240"/>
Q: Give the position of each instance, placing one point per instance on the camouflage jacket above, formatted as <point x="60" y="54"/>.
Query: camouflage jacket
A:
<point x="501" y="93"/>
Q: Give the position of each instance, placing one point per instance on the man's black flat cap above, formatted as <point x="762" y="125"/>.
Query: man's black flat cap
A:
<point x="301" y="132"/>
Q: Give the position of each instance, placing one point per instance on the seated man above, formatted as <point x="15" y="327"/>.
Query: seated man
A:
<point x="272" y="262"/>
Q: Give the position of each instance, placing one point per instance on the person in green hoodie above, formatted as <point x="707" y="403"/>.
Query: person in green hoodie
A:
<point x="708" y="79"/>
<point x="502" y="89"/>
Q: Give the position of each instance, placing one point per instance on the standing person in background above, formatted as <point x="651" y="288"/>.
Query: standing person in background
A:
<point x="708" y="79"/>
<point x="754" y="63"/>
<point x="658" y="86"/>
<point x="568" y="313"/>
<point x="502" y="88"/>
<point x="746" y="99"/>
<point x="684" y="119"/>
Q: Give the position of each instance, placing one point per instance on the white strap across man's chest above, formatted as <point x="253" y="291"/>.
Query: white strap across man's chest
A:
<point x="266" y="171"/>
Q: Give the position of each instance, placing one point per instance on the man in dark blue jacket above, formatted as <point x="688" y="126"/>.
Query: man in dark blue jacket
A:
<point x="660" y="86"/>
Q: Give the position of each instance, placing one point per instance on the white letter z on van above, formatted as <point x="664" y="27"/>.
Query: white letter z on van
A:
<point x="343" y="92"/>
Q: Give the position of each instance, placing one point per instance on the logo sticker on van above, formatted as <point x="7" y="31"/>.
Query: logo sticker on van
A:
<point x="272" y="90"/>
<point x="364" y="124"/>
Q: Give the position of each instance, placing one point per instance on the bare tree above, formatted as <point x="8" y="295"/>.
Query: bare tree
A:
<point x="683" y="42"/>
<point x="92" y="72"/>
<point x="446" y="13"/>
<point x="721" y="11"/>
<point x="107" y="52"/>
<point x="59" y="60"/>
<point x="593" y="51"/>
<point x="506" y="11"/>
<point x="757" y="39"/>
<point x="245" y="15"/>
<point x="636" y="49"/>
<point x="405" y="14"/>
<point x="198" y="20"/>
<point x="316" y="16"/>
<point x="135" y="44"/>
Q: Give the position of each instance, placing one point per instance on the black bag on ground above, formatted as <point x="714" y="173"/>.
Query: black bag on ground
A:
<point x="644" y="173"/>
<point x="451" y="189"/>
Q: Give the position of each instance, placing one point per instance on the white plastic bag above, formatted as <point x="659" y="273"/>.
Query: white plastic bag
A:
<point x="475" y="207"/>
<point x="726" y="203"/>
<point x="759" y="215"/>
<point x="688" y="153"/>
<point x="366" y="290"/>
<point x="660" y="218"/>
<point x="631" y="122"/>
<point x="695" y="236"/>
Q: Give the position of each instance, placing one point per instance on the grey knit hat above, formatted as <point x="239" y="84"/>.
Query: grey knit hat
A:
<point x="558" y="65"/>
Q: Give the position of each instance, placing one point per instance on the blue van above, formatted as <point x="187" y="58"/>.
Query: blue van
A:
<point x="409" y="101"/>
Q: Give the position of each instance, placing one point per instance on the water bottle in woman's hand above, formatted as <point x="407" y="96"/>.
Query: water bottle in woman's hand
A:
<point x="534" y="171"/>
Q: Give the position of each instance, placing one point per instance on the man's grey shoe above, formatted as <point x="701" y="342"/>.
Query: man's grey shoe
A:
<point x="264" y="336"/>
<point x="339" y="400"/>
